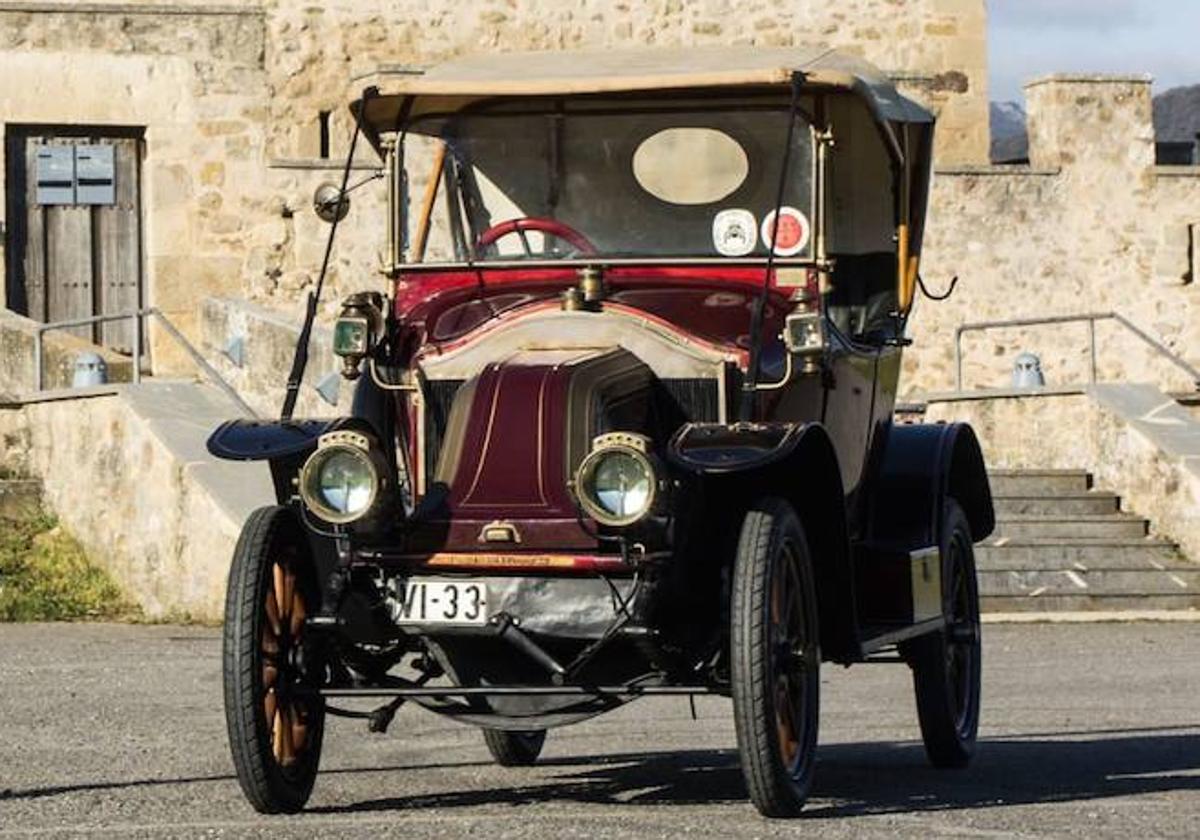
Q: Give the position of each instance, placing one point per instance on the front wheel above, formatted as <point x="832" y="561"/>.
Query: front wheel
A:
<point x="775" y="658"/>
<point x="946" y="665"/>
<point x="276" y="720"/>
<point x="514" y="749"/>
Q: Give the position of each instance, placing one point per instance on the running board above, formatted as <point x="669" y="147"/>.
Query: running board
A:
<point x="877" y="638"/>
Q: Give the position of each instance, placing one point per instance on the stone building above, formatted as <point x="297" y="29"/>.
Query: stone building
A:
<point x="164" y="154"/>
<point x="222" y="118"/>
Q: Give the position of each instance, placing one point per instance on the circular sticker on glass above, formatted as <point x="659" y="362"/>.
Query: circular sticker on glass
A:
<point x="793" y="234"/>
<point x="733" y="232"/>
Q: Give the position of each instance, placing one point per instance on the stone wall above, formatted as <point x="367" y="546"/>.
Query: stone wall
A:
<point x="193" y="77"/>
<point x="939" y="46"/>
<point x="268" y="343"/>
<point x="230" y="96"/>
<point x="128" y="476"/>
<point x="1091" y="226"/>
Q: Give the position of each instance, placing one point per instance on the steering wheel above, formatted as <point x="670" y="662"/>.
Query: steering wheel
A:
<point x="548" y="227"/>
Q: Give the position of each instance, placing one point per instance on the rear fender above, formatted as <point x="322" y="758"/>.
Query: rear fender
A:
<point x="732" y="466"/>
<point x="922" y="466"/>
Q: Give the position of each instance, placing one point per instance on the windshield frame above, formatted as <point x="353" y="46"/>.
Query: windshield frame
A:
<point x="696" y="103"/>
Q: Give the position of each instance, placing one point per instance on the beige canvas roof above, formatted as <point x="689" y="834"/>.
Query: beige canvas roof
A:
<point x="450" y="86"/>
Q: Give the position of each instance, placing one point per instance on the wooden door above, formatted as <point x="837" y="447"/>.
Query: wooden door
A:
<point x="74" y="240"/>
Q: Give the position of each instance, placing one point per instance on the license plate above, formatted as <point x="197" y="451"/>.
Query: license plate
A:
<point x="424" y="601"/>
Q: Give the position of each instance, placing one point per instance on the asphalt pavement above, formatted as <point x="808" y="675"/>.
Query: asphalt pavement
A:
<point x="1088" y="731"/>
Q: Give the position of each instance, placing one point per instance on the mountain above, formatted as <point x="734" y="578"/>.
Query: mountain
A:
<point x="1176" y="120"/>
<point x="1009" y="143"/>
<point x="1177" y="115"/>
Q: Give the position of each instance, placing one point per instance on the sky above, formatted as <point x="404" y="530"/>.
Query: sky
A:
<point x="1029" y="38"/>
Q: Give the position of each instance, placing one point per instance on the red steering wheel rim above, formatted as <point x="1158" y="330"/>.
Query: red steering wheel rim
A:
<point x="549" y="227"/>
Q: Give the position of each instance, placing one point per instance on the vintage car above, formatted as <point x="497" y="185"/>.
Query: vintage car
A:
<point x="622" y="424"/>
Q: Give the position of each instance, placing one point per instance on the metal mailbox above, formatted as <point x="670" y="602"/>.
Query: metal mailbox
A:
<point x="83" y="173"/>
<point x="55" y="174"/>
<point x="95" y="179"/>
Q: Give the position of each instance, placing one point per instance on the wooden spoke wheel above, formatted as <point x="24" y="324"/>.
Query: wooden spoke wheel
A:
<point x="275" y="718"/>
<point x="514" y="749"/>
<point x="775" y="658"/>
<point x="947" y="665"/>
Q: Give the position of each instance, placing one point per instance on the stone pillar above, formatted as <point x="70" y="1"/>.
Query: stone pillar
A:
<point x="1102" y="122"/>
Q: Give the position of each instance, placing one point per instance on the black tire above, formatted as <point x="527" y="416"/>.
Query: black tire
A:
<point x="264" y="664"/>
<point x="514" y="749"/>
<point x="946" y="665"/>
<point x="775" y="658"/>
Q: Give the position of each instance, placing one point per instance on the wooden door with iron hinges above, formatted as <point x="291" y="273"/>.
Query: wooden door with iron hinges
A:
<point x="74" y="235"/>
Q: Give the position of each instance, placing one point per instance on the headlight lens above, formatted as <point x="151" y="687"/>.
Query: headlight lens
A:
<point x="617" y="485"/>
<point x="339" y="483"/>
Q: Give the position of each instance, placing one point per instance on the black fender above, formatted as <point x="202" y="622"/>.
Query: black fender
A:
<point x="267" y="440"/>
<point x="734" y="465"/>
<point x="922" y="466"/>
<point x="287" y="443"/>
<point x="284" y="444"/>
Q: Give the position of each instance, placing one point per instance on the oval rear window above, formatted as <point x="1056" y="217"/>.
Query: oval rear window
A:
<point x="690" y="165"/>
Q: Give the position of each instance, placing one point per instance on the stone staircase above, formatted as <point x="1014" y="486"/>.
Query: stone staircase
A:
<point x="1062" y="546"/>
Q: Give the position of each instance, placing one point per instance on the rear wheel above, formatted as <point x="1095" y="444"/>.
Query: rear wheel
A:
<point x="775" y="658"/>
<point x="276" y="721"/>
<point x="514" y="749"/>
<point x="946" y="665"/>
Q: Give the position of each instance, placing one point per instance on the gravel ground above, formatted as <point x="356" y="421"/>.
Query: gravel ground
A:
<point x="1088" y="731"/>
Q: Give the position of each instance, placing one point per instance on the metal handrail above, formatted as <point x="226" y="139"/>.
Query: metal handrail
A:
<point x="1091" y="318"/>
<point x="42" y="329"/>
<point x="138" y="317"/>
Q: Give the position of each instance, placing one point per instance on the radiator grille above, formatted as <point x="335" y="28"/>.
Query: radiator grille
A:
<point x="441" y="396"/>
<point x="695" y="400"/>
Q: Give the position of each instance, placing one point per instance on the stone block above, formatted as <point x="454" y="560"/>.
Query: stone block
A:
<point x="1099" y="119"/>
<point x="1173" y="258"/>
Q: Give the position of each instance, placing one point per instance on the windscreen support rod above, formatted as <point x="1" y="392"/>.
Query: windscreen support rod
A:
<point x="300" y="359"/>
<point x="750" y="382"/>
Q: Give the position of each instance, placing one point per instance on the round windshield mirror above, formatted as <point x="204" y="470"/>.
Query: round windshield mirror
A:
<point x="329" y="202"/>
<point x="690" y="165"/>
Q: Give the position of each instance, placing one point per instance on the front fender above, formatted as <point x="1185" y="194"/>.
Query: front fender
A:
<point x="715" y="449"/>
<point x="731" y="466"/>
<point x="267" y="440"/>
<point x="284" y="444"/>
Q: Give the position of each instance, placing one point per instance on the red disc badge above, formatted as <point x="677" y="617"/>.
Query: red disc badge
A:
<point x="793" y="234"/>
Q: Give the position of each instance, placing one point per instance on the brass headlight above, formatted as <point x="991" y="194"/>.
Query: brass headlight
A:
<point x="617" y="483"/>
<point x="342" y="481"/>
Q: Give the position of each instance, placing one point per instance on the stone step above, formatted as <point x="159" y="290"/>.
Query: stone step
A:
<point x="1089" y="603"/>
<point x="1065" y="504"/>
<point x="1038" y="482"/>
<point x="1036" y="583"/>
<point x="1086" y="526"/>
<point x="20" y="497"/>
<point x="1006" y="554"/>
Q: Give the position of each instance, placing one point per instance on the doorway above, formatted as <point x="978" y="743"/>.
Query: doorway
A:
<point x="74" y="237"/>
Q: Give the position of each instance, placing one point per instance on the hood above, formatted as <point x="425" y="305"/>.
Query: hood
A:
<point x="517" y="431"/>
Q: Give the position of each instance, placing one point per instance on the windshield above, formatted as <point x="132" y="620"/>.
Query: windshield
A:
<point x="617" y="180"/>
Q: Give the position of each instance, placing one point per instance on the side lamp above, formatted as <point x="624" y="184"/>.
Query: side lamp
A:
<point x="357" y="330"/>
<point x="804" y="337"/>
